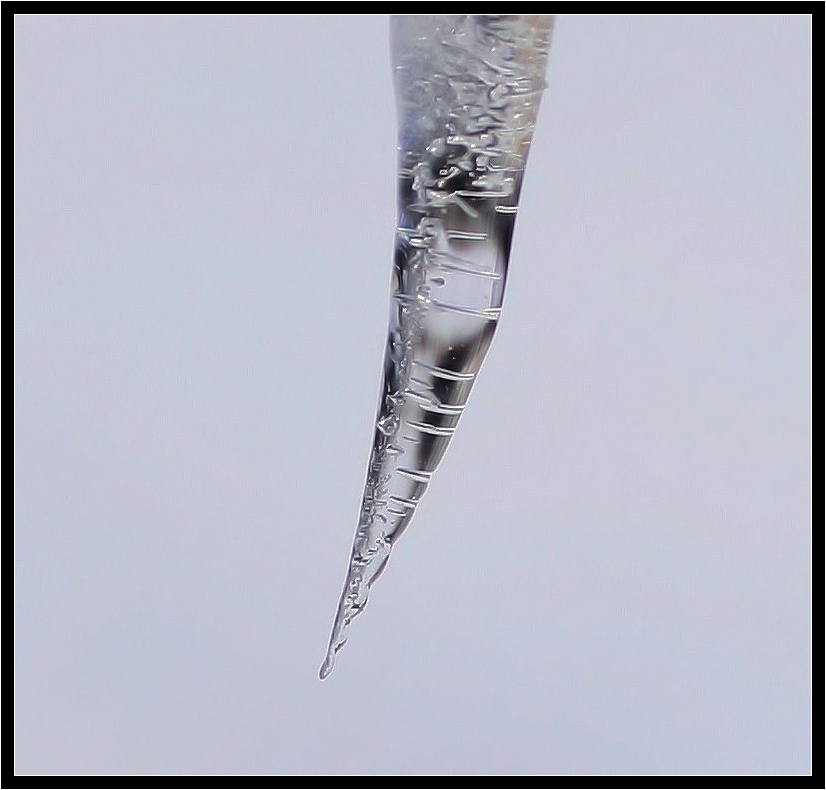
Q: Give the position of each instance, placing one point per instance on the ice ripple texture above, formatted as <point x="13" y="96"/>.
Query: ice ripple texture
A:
<point x="467" y="92"/>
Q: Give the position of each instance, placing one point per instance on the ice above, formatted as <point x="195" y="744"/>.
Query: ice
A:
<point x="467" y="94"/>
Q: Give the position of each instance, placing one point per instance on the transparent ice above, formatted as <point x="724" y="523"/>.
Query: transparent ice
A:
<point x="467" y="93"/>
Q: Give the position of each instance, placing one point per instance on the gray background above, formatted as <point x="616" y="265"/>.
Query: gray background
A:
<point x="611" y="569"/>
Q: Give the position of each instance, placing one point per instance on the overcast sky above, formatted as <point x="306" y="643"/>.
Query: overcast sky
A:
<point x="611" y="570"/>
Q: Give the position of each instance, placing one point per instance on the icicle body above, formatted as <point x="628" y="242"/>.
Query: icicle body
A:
<point x="467" y="91"/>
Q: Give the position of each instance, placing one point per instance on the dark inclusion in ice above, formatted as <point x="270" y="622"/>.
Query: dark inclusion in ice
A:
<point x="467" y="92"/>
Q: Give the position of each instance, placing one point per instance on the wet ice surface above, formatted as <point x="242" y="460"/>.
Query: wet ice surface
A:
<point x="467" y="92"/>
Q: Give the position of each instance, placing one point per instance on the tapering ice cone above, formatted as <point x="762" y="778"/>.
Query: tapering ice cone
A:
<point x="467" y="92"/>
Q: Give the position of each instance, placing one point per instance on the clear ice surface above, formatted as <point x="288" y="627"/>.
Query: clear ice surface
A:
<point x="467" y="94"/>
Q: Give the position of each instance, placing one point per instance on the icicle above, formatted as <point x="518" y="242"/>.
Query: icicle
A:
<point x="467" y="91"/>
